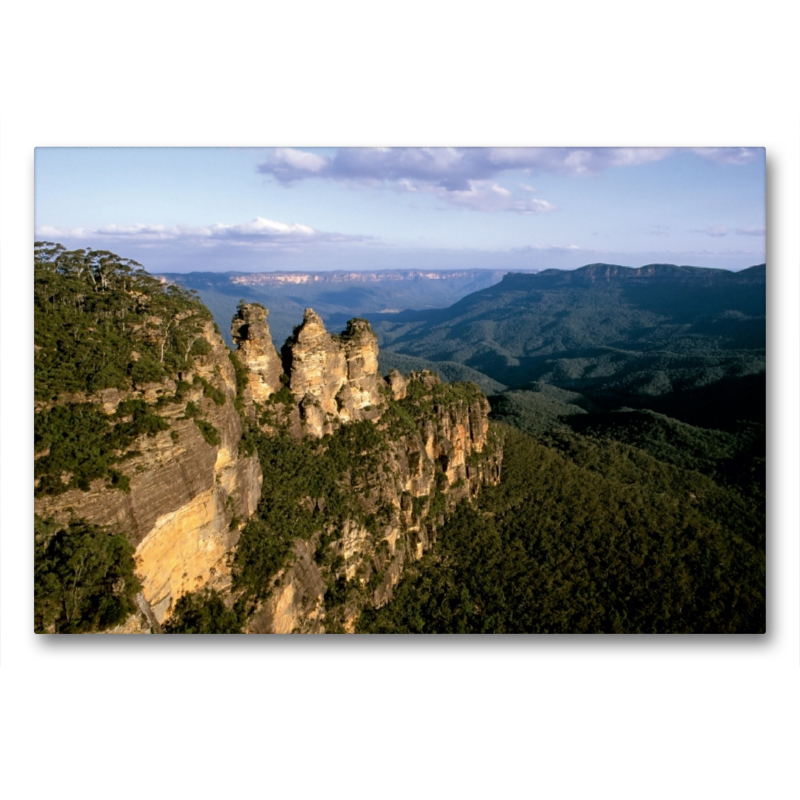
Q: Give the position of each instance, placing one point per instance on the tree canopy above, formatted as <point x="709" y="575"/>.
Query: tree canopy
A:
<point x="101" y="321"/>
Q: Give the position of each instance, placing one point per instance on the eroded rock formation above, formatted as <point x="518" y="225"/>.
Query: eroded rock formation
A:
<point x="256" y="353"/>
<point x="426" y="467"/>
<point x="332" y="378"/>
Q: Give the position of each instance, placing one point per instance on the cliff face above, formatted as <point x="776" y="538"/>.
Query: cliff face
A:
<point x="256" y="352"/>
<point x="184" y="492"/>
<point x="420" y="471"/>
<point x="187" y="490"/>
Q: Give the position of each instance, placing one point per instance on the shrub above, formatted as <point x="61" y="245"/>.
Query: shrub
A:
<point x="84" y="578"/>
<point x="205" y="612"/>
<point x="210" y="433"/>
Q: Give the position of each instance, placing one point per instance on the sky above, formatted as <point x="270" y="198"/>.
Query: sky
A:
<point x="278" y="209"/>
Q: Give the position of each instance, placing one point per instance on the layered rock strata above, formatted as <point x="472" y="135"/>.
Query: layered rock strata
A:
<point x="184" y="492"/>
<point x="188" y="499"/>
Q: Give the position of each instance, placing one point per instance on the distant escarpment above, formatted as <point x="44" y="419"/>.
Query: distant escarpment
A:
<point x="183" y="488"/>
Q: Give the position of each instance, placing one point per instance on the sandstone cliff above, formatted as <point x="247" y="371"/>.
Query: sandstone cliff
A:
<point x="333" y="379"/>
<point x="433" y="450"/>
<point x="400" y="454"/>
<point x="184" y="492"/>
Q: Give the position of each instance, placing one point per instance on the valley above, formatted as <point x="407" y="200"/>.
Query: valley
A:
<point x="335" y="295"/>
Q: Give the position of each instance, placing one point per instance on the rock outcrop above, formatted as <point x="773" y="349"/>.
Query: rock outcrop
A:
<point x="333" y="379"/>
<point x="190" y="490"/>
<point x="256" y="353"/>
<point x="424" y="468"/>
<point x="397" y="384"/>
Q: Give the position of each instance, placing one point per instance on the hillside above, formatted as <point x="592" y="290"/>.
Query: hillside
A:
<point x="601" y="330"/>
<point x="583" y="536"/>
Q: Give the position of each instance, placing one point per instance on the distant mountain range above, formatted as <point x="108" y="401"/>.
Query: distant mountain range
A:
<point x="343" y="294"/>
<point x="603" y="329"/>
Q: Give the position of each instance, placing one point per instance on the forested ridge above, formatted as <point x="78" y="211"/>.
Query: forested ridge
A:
<point x="611" y="332"/>
<point x="633" y="496"/>
<point x="101" y="321"/>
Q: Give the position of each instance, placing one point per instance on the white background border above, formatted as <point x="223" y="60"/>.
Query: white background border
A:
<point x="559" y="716"/>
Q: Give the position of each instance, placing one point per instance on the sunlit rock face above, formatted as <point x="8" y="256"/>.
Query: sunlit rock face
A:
<point x="419" y="477"/>
<point x="189" y="499"/>
<point x="184" y="492"/>
<point x="256" y="353"/>
<point x="334" y="379"/>
<point x="397" y="384"/>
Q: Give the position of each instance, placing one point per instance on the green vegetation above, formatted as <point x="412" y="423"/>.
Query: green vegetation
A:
<point x="101" y="321"/>
<point x="81" y="442"/>
<point x="205" y="612"/>
<point x="311" y="487"/>
<point x="537" y="408"/>
<point x="84" y="578"/>
<point x="210" y="433"/>
<point x="211" y="391"/>
<point x="598" y="330"/>
<point x="600" y="539"/>
<point x="448" y="371"/>
<point x="735" y="458"/>
<point x="303" y="492"/>
<point x="632" y="496"/>
<point x="241" y="381"/>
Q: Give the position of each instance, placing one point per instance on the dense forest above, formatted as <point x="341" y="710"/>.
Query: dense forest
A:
<point x="609" y="332"/>
<point x="588" y="536"/>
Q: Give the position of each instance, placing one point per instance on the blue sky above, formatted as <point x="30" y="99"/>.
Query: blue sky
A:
<point x="266" y="209"/>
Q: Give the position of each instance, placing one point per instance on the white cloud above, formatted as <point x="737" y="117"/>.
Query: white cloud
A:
<point x="299" y="159"/>
<point x="480" y="196"/>
<point x="552" y="248"/>
<point x="575" y="160"/>
<point x="722" y="230"/>
<point x="455" y="174"/>
<point x="260" y="232"/>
